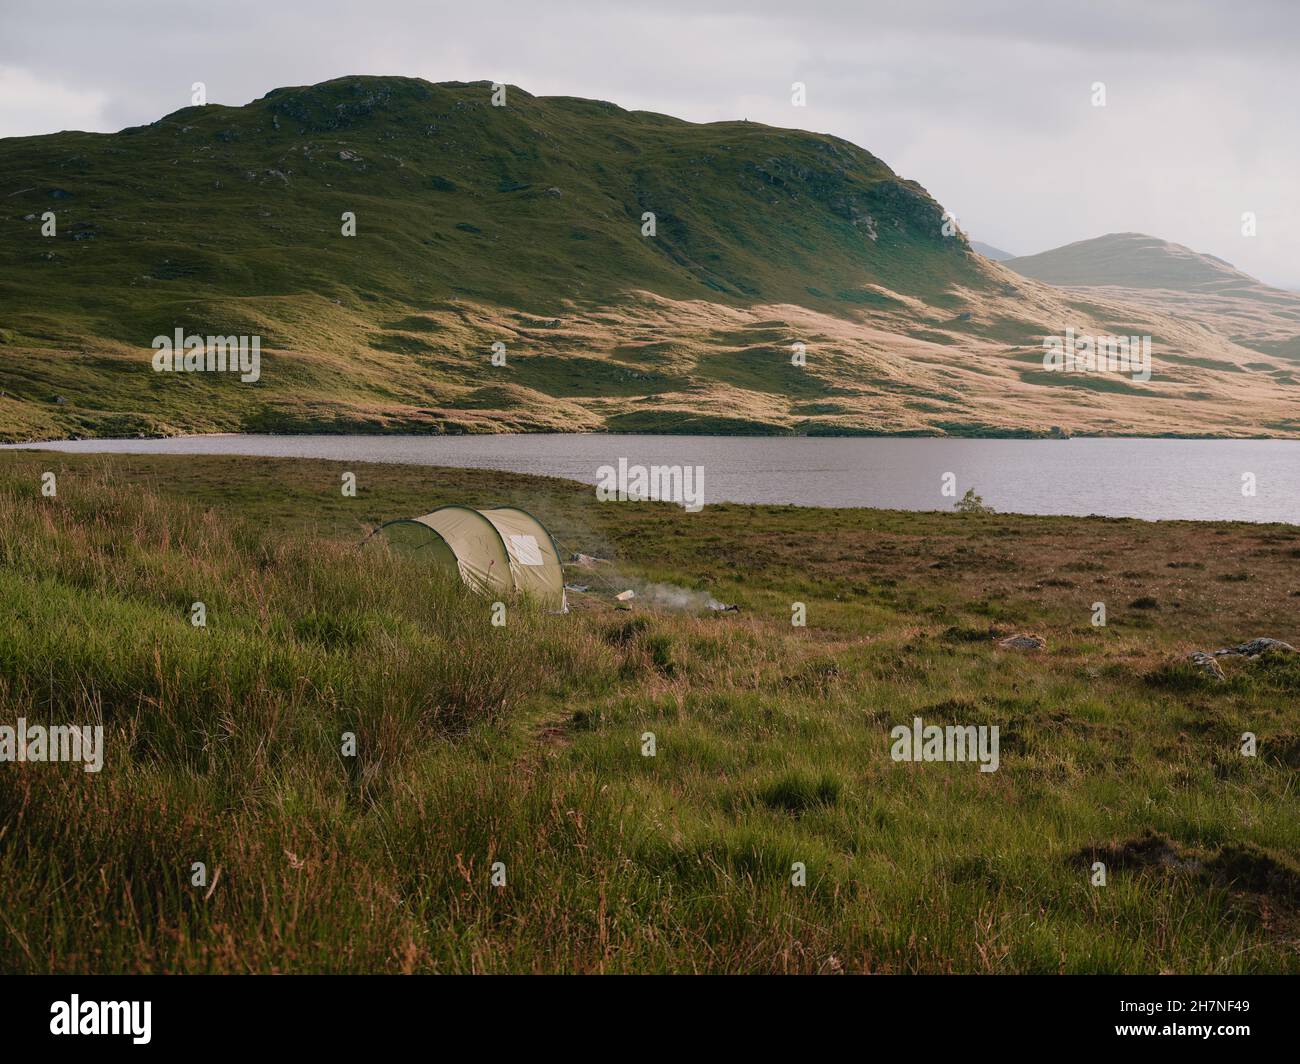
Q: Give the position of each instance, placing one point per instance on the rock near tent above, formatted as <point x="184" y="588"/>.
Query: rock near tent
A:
<point x="499" y="552"/>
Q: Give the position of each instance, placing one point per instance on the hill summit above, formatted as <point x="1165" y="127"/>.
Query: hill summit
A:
<point x="1132" y="260"/>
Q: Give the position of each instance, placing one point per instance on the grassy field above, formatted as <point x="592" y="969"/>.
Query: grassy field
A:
<point x="522" y="744"/>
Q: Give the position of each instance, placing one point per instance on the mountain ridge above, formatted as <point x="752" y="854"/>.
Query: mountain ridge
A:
<point x="1132" y="260"/>
<point x="522" y="226"/>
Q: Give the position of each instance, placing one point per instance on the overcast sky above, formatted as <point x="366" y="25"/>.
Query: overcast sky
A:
<point x="989" y="105"/>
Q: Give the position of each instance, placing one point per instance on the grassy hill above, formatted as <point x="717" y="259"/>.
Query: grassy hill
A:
<point x="523" y="224"/>
<point x="1132" y="260"/>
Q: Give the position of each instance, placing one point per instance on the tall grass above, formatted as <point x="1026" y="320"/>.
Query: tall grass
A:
<point x="225" y="743"/>
<point x="522" y="746"/>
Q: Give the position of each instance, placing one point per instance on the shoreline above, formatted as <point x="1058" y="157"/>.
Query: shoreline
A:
<point x="313" y="466"/>
<point x="1025" y="436"/>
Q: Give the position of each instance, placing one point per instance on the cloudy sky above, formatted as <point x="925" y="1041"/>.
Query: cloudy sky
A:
<point x="987" y="103"/>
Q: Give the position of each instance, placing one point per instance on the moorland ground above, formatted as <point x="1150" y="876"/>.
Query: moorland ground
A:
<point x="523" y="744"/>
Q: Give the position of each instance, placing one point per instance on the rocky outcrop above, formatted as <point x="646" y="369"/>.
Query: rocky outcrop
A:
<point x="1253" y="648"/>
<point x="1206" y="664"/>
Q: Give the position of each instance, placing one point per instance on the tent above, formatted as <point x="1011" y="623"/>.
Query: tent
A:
<point x="498" y="552"/>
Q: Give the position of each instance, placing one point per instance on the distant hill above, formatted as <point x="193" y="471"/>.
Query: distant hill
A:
<point x="1172" y="279"/>
<point x="526" y="225"/>
<point x="1132" y="260"/>
<point x="990" y="252"/>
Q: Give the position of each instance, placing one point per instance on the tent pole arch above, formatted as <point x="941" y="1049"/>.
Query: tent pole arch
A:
<point x="409" y="521"/>
<point x="447" y="553"/>
<point x="469" y="509"/>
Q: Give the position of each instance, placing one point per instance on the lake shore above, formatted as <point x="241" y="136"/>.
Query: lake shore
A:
<point x="1153" y="479"/>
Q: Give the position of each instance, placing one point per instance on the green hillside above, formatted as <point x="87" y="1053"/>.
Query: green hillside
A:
<point x="520" y="224"/>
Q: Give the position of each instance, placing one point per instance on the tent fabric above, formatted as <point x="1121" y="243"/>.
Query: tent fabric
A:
<point x="497" y="552"/>
<point x="534" y="559"/>
<point x="480" y="554"/>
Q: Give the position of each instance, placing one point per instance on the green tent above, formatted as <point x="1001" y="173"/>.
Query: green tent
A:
<point x="498" y="552"/>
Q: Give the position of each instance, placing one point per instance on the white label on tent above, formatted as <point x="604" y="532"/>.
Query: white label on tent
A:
<point x="526" y="550"/>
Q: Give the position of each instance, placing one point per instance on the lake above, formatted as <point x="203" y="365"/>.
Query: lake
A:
<point x="1152" y="479"/>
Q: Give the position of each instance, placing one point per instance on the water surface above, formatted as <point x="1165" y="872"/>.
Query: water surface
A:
<point x="1152" y="479"/>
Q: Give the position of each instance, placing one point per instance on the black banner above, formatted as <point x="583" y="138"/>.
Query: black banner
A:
<point x="188" y="1013"/>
